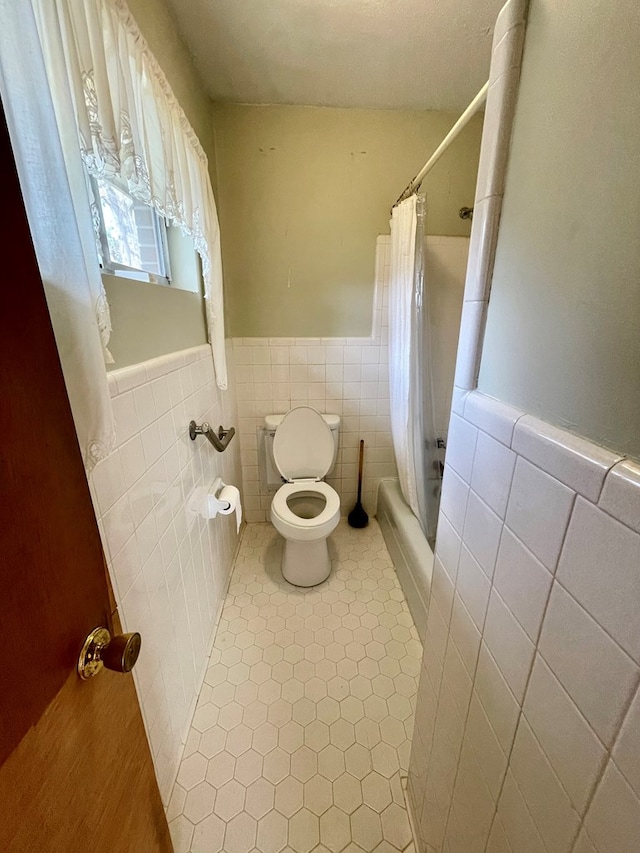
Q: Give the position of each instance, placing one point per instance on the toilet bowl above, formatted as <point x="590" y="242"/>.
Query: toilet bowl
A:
<point x="305" y="510"/>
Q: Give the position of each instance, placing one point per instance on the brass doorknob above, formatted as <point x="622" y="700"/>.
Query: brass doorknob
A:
<point x="101" y="649"/>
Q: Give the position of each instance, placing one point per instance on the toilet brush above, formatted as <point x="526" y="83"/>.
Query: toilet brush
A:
<point x="358" y="517"/>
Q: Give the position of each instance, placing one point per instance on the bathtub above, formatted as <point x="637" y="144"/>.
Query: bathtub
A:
<point x="409" y="550"/>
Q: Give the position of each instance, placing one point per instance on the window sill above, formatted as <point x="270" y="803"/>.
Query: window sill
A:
<point x="137" y="275"/>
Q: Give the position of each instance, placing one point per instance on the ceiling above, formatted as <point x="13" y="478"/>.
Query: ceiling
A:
<point x="381" y="54"/>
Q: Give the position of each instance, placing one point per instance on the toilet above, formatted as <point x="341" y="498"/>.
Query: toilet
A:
<point x="305" y="510"/>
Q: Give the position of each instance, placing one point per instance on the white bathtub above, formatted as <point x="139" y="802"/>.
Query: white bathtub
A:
<point x="409" y="550"/>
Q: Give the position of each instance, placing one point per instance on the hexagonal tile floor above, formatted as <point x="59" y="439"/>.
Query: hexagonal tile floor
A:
<point x="302" y="730"/>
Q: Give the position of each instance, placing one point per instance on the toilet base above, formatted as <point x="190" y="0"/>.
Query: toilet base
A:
<point x="306" y="563"/>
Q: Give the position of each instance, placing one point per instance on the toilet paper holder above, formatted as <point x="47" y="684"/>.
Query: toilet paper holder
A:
<point x="219" y="441"/>
<point x="217" y="498"/>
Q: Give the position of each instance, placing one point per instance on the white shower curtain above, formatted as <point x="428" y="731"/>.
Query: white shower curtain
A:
<point x="405" y="351"/>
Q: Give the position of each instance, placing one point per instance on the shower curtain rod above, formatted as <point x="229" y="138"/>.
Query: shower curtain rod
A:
<point x="464" y="119"/>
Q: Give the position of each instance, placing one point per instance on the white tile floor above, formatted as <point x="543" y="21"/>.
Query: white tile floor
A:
<point x="302" y="730"/>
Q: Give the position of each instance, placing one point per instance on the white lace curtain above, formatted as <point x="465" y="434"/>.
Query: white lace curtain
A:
<point x="131" y="126"/>
<point x="54" y="190"/>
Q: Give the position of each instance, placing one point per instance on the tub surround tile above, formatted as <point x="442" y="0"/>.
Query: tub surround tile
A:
<point x="539" y="509"/>
<point x="498" y="118"/>
<point x="572" y="747"/>
<point x="470" y="796"/>
<point x="448" y="547"/>
<point x="626" y="753"/>
<point x="473" y="586"/>
<point x="613" y="820"/>
<point x="438" y="623"/>
<point x="482" y="247"/>
<point x="493" y="417"/>
<point x="621" y="493"/>
<point x="593" y="669"/>
<point x="472" y="323"/>
<point x="584" y="844"/>
<point x="462" y="446"/>
<point x="600" y="567"/>
<point x="507" y="51"/>
<point x="497" y="842"/>
<point x="487" y="748"/>
<point x="550" y="807"/>
<point x="442" y="589"/>
<point x="482" y="532"/>
<point x="553" y="664"/>
<point x="576" y="462"/>
<point x="458" y="400"/>
<point x="453" y="499"/>
<point x="492" y="472"/>
<point x="511" y="15"/>
<point x="509" y="645"/>
<point x="499" y="703"/>
<point x="465" y="635"/>
<point x="569" y="709"/>
<point x="514" y="815"/>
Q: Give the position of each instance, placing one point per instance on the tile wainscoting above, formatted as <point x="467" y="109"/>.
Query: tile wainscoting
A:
<point x="169" y="568"/>
<point x="526" y="730"/>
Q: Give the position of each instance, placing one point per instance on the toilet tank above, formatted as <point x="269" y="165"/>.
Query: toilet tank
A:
<point x="270" y="474"/>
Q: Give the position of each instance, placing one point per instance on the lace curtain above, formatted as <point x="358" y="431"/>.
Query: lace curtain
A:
<point x="53" y="186"/>
<point x="131" y="126"/>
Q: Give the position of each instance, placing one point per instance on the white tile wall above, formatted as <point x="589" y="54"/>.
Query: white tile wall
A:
<point x="528" y="710"/>
<point x="169" y="569"/>
<point x="504" y="75"/>
<point x="530" y="744"/>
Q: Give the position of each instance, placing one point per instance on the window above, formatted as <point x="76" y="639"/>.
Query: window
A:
<point x="131" y="236"/>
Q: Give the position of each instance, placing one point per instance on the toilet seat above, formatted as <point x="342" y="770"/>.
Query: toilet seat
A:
<point x="307" y="528"/>
<point x="303" y="446"/>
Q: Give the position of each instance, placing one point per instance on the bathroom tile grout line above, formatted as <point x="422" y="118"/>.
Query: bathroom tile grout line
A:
<point x="526" y="687"/>
<point x="475" y="670"/>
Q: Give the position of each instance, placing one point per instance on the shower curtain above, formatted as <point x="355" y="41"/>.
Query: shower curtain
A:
<point x="408" y="362"/>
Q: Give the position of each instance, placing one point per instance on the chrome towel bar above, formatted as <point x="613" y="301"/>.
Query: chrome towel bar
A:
<point x="219" y="441"/>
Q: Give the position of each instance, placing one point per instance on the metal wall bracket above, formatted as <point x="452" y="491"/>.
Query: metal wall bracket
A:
<point x="220" y="440"/>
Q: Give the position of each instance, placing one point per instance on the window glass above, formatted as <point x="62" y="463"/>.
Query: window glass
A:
<point x="132" y="237"/>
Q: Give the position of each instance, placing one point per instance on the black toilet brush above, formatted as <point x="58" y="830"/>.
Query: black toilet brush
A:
<point x="358" y="517"/>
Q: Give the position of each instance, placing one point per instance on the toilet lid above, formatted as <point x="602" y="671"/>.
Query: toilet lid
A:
<point x="303" y="445"/>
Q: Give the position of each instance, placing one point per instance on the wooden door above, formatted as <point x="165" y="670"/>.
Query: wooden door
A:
<point x="75" y="768"/>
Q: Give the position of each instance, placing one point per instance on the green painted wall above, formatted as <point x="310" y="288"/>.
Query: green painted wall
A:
<point x="563" y="329"/>
<point x="303" y="192"/>
<point x="150" y="320"/>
